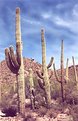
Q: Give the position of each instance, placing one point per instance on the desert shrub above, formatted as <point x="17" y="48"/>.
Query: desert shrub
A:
<point x="7" y="97"/>
<point x="74" y="112"/>
<point x="29" y="118"/>
<point x="55" y="90"/>
<point x="42" y="111"/>
<point x="72" y="95"/>
<point x="10" y="111"/>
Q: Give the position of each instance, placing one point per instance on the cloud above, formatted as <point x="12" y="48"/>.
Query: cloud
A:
<point x="59" y="18"/>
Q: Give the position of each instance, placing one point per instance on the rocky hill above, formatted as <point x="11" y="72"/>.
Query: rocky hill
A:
<point x="7" y="76"/>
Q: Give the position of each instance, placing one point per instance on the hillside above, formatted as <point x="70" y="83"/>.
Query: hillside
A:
<point x="7" y="75"/>
<point x="8" y="78"/>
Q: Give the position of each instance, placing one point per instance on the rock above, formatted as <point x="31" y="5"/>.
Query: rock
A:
<point x="2" y="114"/>
<point x="64" y="117"/>
<point x="54" y="102"/>
<point x="67" y="111"/>
<point x="42" y="119"/>
<point x="27" y="102"/>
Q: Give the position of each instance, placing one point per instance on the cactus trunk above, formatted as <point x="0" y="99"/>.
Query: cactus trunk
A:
<point x="0" y="85"/>
<point x="32" y="91"/>
<point x="62" y="70"/>
<point x="0" y="93"/>
<point x="21" y="83"/>
<point x="75" y="72"/>
<point x="67" y="73"/>
<point x="44" y="70"/>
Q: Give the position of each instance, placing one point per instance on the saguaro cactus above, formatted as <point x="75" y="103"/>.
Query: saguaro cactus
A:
<point x="0" y="93"/>
<point x="75" y="72"/>
<point x="32" y="90"/>
<point x="62" y="80"/>
<point x="15" y="64"/>
<point x="0" y="85"/>
<point x="74" y="67"/>
<point x="44" y="77"/>
<point x="67" y="71"/>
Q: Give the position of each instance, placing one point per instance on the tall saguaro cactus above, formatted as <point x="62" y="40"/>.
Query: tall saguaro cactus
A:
<point x="44" y="81"/>
<point x="15" y="64"/>
<point x="62" y="68"/>
<point x="75" y="72"/>
<point x="74" y="67"/>
<point x="0" y="94"/>
<point x="62" y="79"/>
<point x="0" y="84"/>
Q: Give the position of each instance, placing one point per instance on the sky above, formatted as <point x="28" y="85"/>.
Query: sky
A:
<point x="59" y="18"/>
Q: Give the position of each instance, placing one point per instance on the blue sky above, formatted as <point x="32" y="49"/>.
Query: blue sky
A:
<point x="58" y="17"/>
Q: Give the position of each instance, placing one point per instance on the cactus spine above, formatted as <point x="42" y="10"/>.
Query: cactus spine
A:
<point x="15" y="64"/>
<point x="32" y="91"/>
<point x="45" y="83"/>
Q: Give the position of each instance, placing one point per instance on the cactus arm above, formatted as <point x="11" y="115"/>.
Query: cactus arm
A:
<point x="18" y="45"/>
<point x="9" y="62"/>
<point x="66" y="78"/>
<point x="50" y="75"/>
<point x="67" y="68"/>
<point x="13" y="57"/>
<point x="56" y="75"/>
<point x="74" y="67"/>
<point x="39" y="75"/>
<point x="51" y="62"/>
<point x="41" y="84"/>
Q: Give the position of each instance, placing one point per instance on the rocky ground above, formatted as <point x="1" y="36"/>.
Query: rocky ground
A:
<point x="42" y="114"/>
<point x="35" y="117"/>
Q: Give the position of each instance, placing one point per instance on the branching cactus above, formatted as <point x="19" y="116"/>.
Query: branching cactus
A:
<point x="63" y="79"/>
<point x="15" y="64"/>
<point x="32" y="90"/>
<point x="43" y="80"/>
